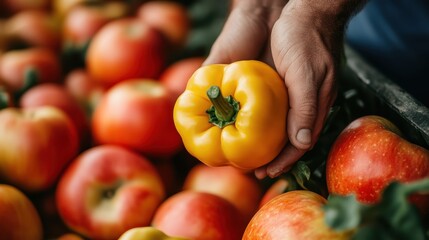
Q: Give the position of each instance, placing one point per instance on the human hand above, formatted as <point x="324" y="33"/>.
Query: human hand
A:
<point x="304" y="46"/>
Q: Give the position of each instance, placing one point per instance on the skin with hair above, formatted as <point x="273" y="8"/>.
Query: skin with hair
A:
<point x="303" y="41"/>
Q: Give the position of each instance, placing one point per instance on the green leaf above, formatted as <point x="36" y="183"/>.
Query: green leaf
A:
<point x="372" y="232"/>
<point x="4" y="99"/>
<point x="343" y="213"/>
<point x="31" y="78"/>
<point x="301" y="172"/>
<point x="398" y="211"/>
<point x="207" y="19"/>
<point x="73" y="56"/>
<point x="393" y="217"/>
<point x="292" y="183"/>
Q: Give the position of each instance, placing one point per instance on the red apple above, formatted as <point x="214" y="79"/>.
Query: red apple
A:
<point x="35" y="146"/>
<point x="241" y="189"/>
<point x="275" y="189"/>
<point x="19" y="217"/>
<point x="16" y="64"/>
<point x="60" y="8"/>
<point x="69" y="236"/>
<point x="369" y="154"/>
<point x="6" y="41"/>
<point x="292" y="215"/>
<point x="56" y="95"/>
<point x="199" y="216"/>
<point x="147" y="233"/>
<point x="82" y="22"/>
<point x="10" y="7"/>
<point x="175" y="77"/>
<point x="84" y="89"/>
<point x="169" y="17"/>
<point x="36" y="28"/>
<point x="108" y="190"/>
<point x="125" y="48"/>
<point x="137" y="113"/>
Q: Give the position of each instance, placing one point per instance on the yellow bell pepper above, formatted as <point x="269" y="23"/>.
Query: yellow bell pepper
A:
<point x="147" y="233"/>
<point x="233" y="114"/>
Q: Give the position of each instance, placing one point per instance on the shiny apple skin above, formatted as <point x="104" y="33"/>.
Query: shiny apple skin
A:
<point x="108" y="190"/>
<point x="20" y="219"/>
<point x="240" y="188"/>
<point x="295" y="215"/>
<point x="369" y="154"/>
<point x="35" y="146"/>
<point x="137" y="113"/>
<point x="198" y="216"/>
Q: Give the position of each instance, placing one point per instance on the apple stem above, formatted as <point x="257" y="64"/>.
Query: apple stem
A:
<point x="110" y="192"/>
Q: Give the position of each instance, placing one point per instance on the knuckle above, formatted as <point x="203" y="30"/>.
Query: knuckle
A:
<point x="307" y="110"/>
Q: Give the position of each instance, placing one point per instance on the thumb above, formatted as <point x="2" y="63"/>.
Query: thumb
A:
<point x="301" y="57"/>
<point x="303" y="107"/>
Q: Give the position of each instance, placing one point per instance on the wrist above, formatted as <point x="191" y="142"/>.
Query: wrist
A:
<point x="327" y="12"/>
<point x="325" y="18"/>
<point x="251" y="4"/>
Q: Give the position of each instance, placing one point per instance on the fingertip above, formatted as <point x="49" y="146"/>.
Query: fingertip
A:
<point x="303" y="137"/>
<point x="261" y="173"/>
<point x="274" y="172"/>
<point x="277" y="168"/>
<point x="300" y="130"/>
<point x="284" y="162"/>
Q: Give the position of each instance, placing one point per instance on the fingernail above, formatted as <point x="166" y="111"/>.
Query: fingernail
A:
<point x="304" y="136"/>
<point x="274" y="172"/>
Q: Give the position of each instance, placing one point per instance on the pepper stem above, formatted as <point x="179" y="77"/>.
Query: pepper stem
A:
<point x="224" y="110"/>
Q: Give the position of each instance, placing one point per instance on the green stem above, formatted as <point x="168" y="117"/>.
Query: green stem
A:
<point x="224" y="110"/>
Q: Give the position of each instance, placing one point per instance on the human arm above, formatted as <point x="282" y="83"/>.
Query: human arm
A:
<point x="303" y="40"/>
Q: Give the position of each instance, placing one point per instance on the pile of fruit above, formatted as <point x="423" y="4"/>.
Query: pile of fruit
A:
<point x="110" y="128"/>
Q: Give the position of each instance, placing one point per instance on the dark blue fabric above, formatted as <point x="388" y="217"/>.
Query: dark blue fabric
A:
<point x="393" y="36"/>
